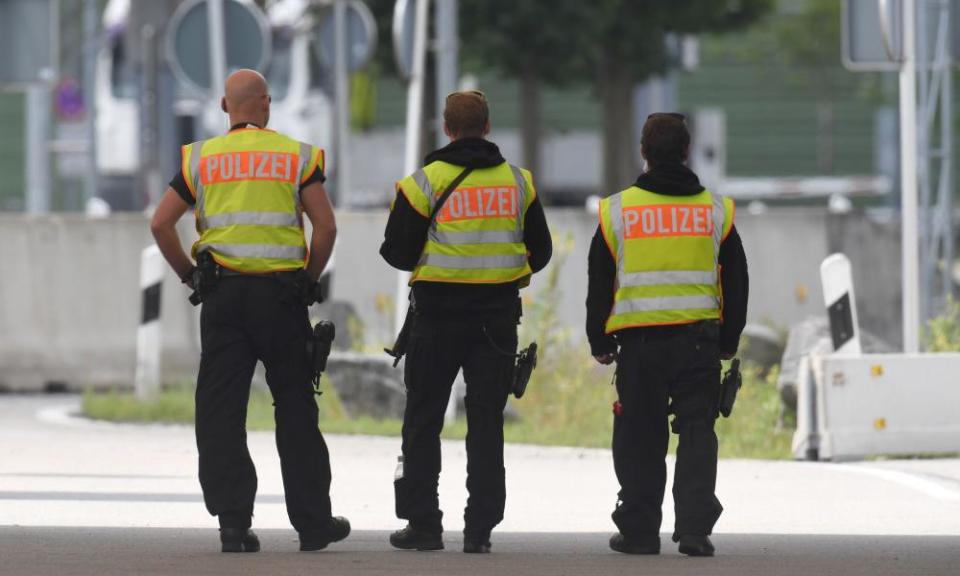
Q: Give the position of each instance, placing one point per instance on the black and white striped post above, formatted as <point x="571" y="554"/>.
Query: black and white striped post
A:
<point x="147" y="377"/>
<point x="836" y="275"/>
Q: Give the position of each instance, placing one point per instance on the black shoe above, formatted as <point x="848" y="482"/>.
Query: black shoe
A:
<point x="238" y="540"/>
<point x="692" y="545"/>
<point x="641" y="545"/>
<point x="337" y="529"/>
<point x="476" y="546"/>
<point x="412" y="538"/>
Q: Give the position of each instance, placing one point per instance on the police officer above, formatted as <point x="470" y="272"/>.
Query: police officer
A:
<point x="468" y="263"/>
<point x="249" y="189"/>
<point x="668" y="285"/>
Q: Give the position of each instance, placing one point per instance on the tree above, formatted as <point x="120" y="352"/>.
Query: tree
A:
<point x="628" y="46"/>
<point x="816" y="63"/>
<point x="804" y="37"/>
<point x="613" y="44"/>
<point x="536" y="42"/>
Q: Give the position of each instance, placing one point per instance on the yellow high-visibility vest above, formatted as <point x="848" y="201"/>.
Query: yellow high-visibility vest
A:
<point x="478" y="234"/>
<point x="246" y="184"/>
<point x="667" y="250"/>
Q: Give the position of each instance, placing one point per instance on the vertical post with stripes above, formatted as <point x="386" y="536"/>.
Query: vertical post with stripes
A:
<point x="147" y="377"/>
<point x="836" y="275"/>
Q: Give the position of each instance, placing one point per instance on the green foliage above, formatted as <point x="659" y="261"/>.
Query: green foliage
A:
<point x="567" y="40"/>
<point x="752" y="428"/>
<point x="943" y="332"/>
<point x="800" y="34"/>
<point x="516" y="38"/>
<point x="803" y="40"/>
<point x="175" y="405"/>
<point x="634" y="31"/>
<point x="568" y="401"/>
<point x="568" y="404"/>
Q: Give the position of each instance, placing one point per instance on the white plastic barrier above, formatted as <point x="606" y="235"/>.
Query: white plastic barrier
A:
<point x="851" y="405"/>
<point x="879" y="404"/>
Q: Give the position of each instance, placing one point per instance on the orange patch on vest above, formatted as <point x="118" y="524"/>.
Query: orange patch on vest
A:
<point x="662" y="221"/>
<point x="248" y="165"/>
<point x="480" y="202"/>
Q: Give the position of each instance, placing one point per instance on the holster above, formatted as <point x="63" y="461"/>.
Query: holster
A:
<point x="206" y="276"/>
<point x="319" y="345"/>
<point x="523" y="369"/>
<point x="729" y="387"/>
<point x="299" y="288"/>
<point x="403" y="337"/>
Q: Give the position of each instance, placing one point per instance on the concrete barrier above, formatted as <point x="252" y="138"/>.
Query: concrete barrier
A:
<point x="70" y="300"/>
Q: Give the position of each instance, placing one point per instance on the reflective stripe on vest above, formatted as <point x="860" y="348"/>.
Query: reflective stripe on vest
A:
<point x="478" y="233"/>
<point x="664" y="239"/>
<point x="473" y="262"/>
<point x="248" y="208"/>
<point x="257" y="251"/>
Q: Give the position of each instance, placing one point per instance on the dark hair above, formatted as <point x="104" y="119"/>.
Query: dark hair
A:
<point x="665" y="139"/>
<point x="466" y="113"/>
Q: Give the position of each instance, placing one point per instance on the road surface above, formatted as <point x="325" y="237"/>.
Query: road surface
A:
<point x="80" y="497"/>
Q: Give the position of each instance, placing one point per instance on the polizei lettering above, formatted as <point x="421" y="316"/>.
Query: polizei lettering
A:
<point x="480" y="202"/>
<point x="661" y="221"/>
<point x="248" y="165"/>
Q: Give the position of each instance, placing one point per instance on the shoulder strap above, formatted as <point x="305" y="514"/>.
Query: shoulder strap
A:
<point x="446" y="193"/>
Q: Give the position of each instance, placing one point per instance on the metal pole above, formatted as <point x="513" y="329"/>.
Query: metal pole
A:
<point x="908" y="179"/>
<point x="342" y="98"/>
<point x="946" y="185"/>
<point x="92" y="45"/>
<point x="218" y="54"/>
<point x="148" y="120"/>
<point x="412" y="150"/>
<point x="38" y="151"/>
<point x="448" y="55"/>
<point x="924" y="124"/>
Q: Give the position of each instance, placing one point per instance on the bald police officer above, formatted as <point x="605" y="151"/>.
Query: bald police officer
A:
<point x="249" y="189"/>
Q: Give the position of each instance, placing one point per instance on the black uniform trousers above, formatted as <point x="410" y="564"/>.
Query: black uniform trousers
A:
<point x="662" y="371"/>
<point x="437" y="350"/>
<point x="246" y="319"/>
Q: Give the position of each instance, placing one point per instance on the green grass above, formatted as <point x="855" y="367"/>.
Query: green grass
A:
<point x="568" y="401"/>
<point x="575" y="410"/>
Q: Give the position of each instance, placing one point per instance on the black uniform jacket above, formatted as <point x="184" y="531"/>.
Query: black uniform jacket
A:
<point x="669" y="180"/>
<point x="406" y="235"/>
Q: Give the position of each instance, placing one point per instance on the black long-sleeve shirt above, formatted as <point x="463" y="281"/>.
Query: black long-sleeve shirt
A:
<point x="676" y="180"/>
<point x="406" y="235"/>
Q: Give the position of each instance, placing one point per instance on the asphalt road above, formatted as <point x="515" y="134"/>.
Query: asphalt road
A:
<point x="116" y="551"/>
<point x="91" y="498"/>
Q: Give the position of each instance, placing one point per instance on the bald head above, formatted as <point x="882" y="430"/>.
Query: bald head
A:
<point x="246" y="98"/>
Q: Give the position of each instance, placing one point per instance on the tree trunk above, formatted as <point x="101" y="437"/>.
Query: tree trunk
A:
<point x="825" y="146"/>
<point x="530" y="117"/>
<point x="619" y="149"/>
<point x="430" y="139"/>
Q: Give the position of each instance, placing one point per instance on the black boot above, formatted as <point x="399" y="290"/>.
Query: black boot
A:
<point x="693" y="545"/>
<point x="336" y="530"/>
<point x="413" y="538"/>
<point x="238" y="540"/>
<point x="636" y="545"/>
<point x="476" y="542"/>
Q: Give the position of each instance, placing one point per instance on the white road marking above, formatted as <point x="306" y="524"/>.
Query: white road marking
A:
<point x="926" y="486"/>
